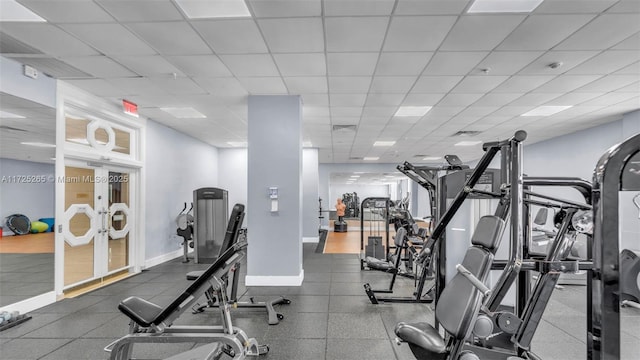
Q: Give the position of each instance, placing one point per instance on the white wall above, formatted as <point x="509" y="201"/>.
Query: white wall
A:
<point x="176" y="164"/>
<point x="310" y="190"/>
<point x="35" y="200"/>
<point x="232" y="174"/>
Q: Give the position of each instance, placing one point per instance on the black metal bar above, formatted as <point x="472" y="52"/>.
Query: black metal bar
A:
<point x="567" y="202"/>
<point x="583" y="186"/>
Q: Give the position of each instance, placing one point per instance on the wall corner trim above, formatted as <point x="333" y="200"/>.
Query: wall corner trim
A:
<point x="312" y="239"/>
<point x="257" y="280"/>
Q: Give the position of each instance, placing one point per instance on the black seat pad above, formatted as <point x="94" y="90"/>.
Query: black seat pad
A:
<point x="192" y="275"/>
<point x="378" y="264"/>
<point x="140" y="310"/>
<point x="423" y="335"/>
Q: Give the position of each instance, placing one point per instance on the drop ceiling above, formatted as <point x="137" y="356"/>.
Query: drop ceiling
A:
<point x="353" y="63"/>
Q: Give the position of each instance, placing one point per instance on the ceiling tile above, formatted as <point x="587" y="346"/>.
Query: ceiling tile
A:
<point x="566" y="83"/>
<point x="569" y="60"/>
<point x="53" y="67"/>
<point x="573" y="6"/>
<point x="606" y="62"/>
<point x="221" y="86"/>
<point x="315" y="111"/>
<point x="431" y="7"/>
<point x="382" y="100"/>
<point x="351" y="64"/>
<point x="435" y="84"/>
<point x="630" y="43"/>
<point x="402" y="63"/>
<point x="508" y="62"/>
<point x="371" y="112"/>
<point x="635" y="88"/>
<point x="68" y="11"/>
<point x="522" y="84"/>
<point x="98" y="87"/>
<point x="355" y="33"/>
<point x="200" y="65"/>
<point x="349" y="84"/>
<point x="497" y="99"/>
<point x="459" y="100"/>
<point x="296" y="35"/>
<point x="263" y="85"/>
<point x="347" y="99"/>
<point x="422" y="99"/>
<point x="110" y="39"/>
<point x="625" y="7"/>
<point x="306" y="84"/>
<point x="250" y="65"/>
<point x="177" y="85"/>
<point x="315" y="99"/>
<point x="535" y="99"/>
<point x="148" y="65"/>
<point x="511" y="111"/>
<point x="127" y="11"/>
<point x="633" y="69"/>
<point x="171" y="38"/>
<point x="99" y="66"/>
<point x="346" y="112"/>
<point x="478" y="84"/>
<point x="285" y="8"/>
<point x="573" y="98"/>
<point x="301" y="64"/>
<point x="136" y="86"/>
<point x="47" y="38"/>
<point x="477" y="111"/>
<point x="407" y="33"/>
<point x="603" y="32"/>
<point x="480" y="32"/>
<point x="236" y="36"/>
<point x="454" y="63"/>
<point x="612" y="99"/>
<point x="358" y="7"/>
<point x="392" y="84"/>
<point x="542" y="32"/>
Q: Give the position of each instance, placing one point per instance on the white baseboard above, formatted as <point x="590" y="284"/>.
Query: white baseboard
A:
<point x="312" y="239"/>
<point x="163" y="258"/>
<point x="256" y="280"/>
<point x="31" y="304"/>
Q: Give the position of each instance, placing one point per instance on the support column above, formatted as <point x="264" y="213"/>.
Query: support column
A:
<point x="310" y="194"/>
<point x="274" y="256"/>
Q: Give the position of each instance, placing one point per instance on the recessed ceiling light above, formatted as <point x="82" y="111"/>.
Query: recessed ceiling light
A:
<point x="389" y="176"/>
<point x="384" y="143"/>
<point x="412" y="110"/>
<point x="307" y="144"/>
<point x="431" y="158"/>
<point x="467" y="143"/>
<point x="8" y="115"/>
<point x="545" y="110"/>
<point x="358" y="172"/>
<point x="38" y="144"/>
<point x="184" y="112"/>
<point x="12" y="11"/>
<point x="237" y="143"/>
<point x="354" y="176"/>
<point x="371" y="158"/>
<point x="503" y="6"/>
<point x="199" y="9"/>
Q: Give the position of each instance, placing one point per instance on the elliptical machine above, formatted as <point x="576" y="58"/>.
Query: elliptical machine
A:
<point x="184" y="220"/>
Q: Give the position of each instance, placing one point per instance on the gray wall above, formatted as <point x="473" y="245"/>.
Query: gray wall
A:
<point x="176" y="164"/>
<point x="310" y="188"/>
<point x="232" y="175"/>
<point x="41" y="90"/>
<point x="34" y="200"/>
<point x="274" y="159"/>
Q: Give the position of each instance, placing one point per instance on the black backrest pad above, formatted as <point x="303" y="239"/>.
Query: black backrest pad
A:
<point x="401" y="233"/>
<point x="460" y="300"/>
<point x="233" y="228"/>
<point x="202" y="282"/>
<point x="487" y="233"/>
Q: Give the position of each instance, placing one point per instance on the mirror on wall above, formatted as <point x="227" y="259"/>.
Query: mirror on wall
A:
<point x="27" y="189"/>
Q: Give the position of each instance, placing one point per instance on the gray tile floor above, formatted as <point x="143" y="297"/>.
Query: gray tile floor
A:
<point x="329" y="318"/>
<point x="24" y="275"/>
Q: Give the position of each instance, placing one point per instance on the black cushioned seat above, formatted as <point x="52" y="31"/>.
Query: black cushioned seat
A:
<point x="423" y="335"/>
<point x="192" y="275"/>
<point x="140" y="310"/>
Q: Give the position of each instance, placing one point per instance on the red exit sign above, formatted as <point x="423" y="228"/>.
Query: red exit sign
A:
<point x="130" y="108"/>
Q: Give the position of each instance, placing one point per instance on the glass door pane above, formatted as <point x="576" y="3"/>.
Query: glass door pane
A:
<point x="80" y="226"/>
<point x="118" y="253"/>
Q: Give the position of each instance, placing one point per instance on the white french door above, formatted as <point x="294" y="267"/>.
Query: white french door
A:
<point x="97" y="222"/>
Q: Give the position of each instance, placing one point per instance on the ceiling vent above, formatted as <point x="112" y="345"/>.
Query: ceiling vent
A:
<point x="356" y="158"/>
<point x="345" y="127"/>
<point x="466" y="133"/>
<point x="9" y="128"/>
<point x="420" y="156"/>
